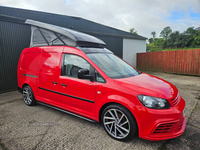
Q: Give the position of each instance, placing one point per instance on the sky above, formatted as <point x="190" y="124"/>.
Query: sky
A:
<point x="144" y="16"/>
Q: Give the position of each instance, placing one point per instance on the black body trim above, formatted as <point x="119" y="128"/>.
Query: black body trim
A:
<point x="66" y="112"/>
<point x="88" y="50"/>
<point x="90" y="44"/>
<point x="28" y="75"/>
<point x="67" y="95"/>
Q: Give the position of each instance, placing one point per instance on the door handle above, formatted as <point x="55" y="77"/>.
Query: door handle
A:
<point x="54" y="82"/>
<point x="63" y="84"/>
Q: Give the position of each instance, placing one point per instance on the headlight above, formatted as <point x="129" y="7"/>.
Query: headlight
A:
<point x="154" y="102"/>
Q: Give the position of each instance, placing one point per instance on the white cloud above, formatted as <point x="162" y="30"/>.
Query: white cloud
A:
<point x="143" y="15"/>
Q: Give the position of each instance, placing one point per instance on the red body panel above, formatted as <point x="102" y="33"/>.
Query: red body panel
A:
<point x="42" y="72"/>
<point x="77" y="105"/>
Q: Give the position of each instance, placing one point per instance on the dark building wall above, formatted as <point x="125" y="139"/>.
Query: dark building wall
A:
<point x="78" y="24"/>
<point x="114" y="44"/>
<point x="13" y="39"/>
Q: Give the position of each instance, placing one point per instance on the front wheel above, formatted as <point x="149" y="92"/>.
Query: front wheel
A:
<point x="119" y="123"/>
<point x="28" y="96"/>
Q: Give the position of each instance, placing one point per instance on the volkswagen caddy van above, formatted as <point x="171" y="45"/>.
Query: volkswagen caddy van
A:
<point x="75" y="73"/>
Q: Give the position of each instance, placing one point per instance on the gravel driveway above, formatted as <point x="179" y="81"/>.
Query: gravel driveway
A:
<point x="40" y="127"/>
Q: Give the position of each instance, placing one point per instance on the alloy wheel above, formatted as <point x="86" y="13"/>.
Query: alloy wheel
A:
<point x="27" y="95"/>
<point x="116" y="123"/>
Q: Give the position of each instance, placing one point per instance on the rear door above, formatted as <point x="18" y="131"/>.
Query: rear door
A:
<point x="78" y="95"/>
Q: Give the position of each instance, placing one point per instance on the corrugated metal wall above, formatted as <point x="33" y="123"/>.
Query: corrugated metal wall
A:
<point x="13" y="39"/>
<point x="180" y="61"/>
<point x="79" y="24"/>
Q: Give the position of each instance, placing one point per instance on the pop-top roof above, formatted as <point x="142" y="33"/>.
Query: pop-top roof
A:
<point x="43" y="34"/>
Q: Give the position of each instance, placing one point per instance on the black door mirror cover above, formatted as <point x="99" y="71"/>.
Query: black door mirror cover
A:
<point x="84" y="74"/>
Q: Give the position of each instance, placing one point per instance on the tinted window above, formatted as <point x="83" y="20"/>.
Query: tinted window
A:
<point x="72" y="64"/>
<point x="112" y="66"/>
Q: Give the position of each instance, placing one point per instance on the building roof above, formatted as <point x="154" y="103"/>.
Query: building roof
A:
<point x="78" y="24"/>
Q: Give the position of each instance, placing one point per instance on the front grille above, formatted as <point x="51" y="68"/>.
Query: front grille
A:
<point x="180" y="125"/>
<point x="176" y="100"/>
<point x="168" y="127"/>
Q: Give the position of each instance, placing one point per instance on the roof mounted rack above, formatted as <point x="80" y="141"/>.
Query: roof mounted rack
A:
<point x="44" y="34"/>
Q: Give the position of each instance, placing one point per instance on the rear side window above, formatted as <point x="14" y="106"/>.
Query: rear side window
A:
<point x="72" y="64"/>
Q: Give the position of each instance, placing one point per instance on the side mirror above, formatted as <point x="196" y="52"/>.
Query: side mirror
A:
<point x="84" y="74"/>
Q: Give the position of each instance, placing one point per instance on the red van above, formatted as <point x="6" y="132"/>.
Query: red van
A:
<point x="75" y="73"/>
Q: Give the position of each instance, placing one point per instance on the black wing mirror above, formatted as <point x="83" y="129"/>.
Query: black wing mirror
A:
<point x="84" y="74"/>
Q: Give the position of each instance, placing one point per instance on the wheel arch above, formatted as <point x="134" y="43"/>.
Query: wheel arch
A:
<point x="103" y="107"/>
<point x="25" y="85"/>
<point x="110" y="103"/>
<point x="31" y="86"/>
<point x="33" y="100"/>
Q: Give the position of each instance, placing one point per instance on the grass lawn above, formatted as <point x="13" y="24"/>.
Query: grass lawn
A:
<point x="179" y="49"/>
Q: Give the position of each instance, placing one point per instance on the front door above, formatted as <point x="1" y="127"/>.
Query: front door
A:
<point x="78" y="95"/>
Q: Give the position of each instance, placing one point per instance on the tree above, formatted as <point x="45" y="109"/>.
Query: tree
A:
<point x="159" y="42"/>
<point x="166" y="32"/>
<point x="150" y="40"/>
<point x="197" y="37"/>
<point x="132" y="30"/>
<point x="154" y="34"/>
<point x="190" y="31"/>
<point x="187" y="39"/>
<point x="174" y="37"/>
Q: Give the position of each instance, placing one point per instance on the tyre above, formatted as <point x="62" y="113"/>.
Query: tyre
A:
<point x="28" y="96"/>
<point x="119" y="123"/>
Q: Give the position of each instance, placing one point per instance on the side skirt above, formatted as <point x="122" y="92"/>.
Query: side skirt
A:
<point x="66" y="112"/>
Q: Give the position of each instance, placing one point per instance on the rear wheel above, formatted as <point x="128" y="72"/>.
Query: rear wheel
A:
<point x="119" y="123"/>
<point x="28" y="96"/>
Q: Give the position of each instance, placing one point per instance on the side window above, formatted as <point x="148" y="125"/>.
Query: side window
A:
<point x="98" y="77"/>
<point x="72" y="64"/>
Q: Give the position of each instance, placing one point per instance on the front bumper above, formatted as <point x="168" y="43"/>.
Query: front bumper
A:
<point x="168" y="135"/>
<point x="156" y="125"/>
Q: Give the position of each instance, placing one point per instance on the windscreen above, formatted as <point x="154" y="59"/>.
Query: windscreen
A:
<point x="112" y="66"/>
